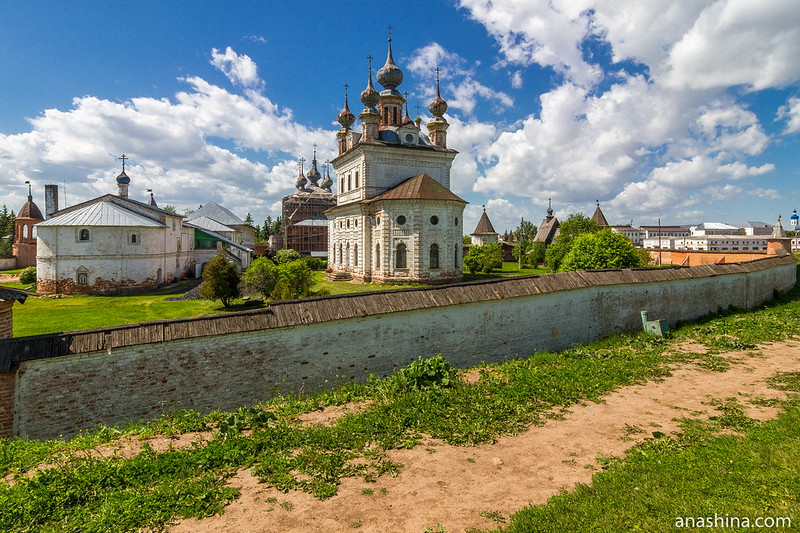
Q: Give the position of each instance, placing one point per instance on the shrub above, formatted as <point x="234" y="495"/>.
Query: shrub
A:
<point x="298" y="277"/>
<point x="281" y="290"/>
<point x="432" y="373"/>
<point x="315" y="263"/>
<point x="220" y="280"/>
<point x="262" y="275"/>
<point x="287" y="255"/>
<point x="484" y="258"/>
<point x="28" y="275"/>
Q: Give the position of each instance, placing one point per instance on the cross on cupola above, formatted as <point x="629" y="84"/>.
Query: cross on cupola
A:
<point x="123" y="180"/>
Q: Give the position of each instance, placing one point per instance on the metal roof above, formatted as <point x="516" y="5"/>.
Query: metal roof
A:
<point x="211" y="225"/>
<point x="420" y="187"/>
<point x="313" y="221"/>
<point x="103" y="213"/>
<point x="216" y="212"/>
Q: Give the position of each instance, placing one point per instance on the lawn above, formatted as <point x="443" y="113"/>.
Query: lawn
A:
<point x="70" y="313"/>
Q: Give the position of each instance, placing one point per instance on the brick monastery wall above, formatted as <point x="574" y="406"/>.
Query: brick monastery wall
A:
<point x="133" y="372"/>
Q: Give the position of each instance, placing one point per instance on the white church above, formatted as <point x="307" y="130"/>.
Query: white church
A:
<point x="396" y="219"/>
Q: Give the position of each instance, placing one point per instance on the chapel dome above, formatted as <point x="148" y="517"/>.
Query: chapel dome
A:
<point x="390" y="75"/>
<point x="30" y="210"/>
<point x="346" y="117"/>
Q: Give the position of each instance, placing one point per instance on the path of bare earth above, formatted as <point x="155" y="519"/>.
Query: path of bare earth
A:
<point x="451" y="486"/>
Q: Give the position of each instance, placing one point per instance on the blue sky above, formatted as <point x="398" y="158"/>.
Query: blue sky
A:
<point x="684" y="110"/>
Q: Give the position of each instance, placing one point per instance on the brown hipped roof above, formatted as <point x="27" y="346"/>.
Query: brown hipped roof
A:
<point x="484" y="226"/>
<point x="421" y="187"/>
<point x="599" y="217"/>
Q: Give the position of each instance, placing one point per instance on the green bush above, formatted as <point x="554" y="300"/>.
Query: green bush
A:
<point x="28" y="275"/>
<point x="315" y="263"/>
<point x="287" y="255"/>
<point x="603" y="249"/>
<point x="432" y="373"/>
<point x="262" y="276"/>
<point x="484" y="258"/>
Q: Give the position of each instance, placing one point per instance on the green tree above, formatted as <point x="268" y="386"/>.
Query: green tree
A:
<point x="170" y="208"/>
<point x="575" y="224"/>
<point x="220" y="280"/>
<point x="298" y="278"/>
<point x="262" y="275"/>
<point x="287" y="255"/>
<point x="536" y="254"/>
<point x="484" y="258"/>
<point x="248" y="219"/>
<point x="6" y="231"/>
<point x="525" y="231"/>
<point x="603" y="249"/>
<point x="466" y="239"/>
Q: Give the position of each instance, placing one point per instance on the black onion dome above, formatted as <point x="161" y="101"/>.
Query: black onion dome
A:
<point x="313" y="175"/>
<point x="390" y="75"/>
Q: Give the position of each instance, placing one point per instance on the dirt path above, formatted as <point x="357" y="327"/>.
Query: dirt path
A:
<point x="452" y="486"/>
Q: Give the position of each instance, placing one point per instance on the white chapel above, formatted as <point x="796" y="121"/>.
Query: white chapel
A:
<point x="395" y="218"/>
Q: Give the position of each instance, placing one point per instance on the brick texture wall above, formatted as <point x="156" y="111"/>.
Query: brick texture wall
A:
<point x="6" y="320"/>
<point x="59" y="395"/>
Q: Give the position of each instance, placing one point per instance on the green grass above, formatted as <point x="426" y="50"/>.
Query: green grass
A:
<point x="53" y="315"/>
<point x="38" y="316"/>
<point x="664" y="481"/>
<point x="509" y="269"/>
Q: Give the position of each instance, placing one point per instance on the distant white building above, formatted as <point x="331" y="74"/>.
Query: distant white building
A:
<point x="484" y="232"/>
<point x="710" y="243"/>
<point x="633" y="234"/>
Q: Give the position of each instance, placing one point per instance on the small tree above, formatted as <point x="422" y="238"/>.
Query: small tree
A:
<point x="484" y="258"/>
<point x="286" y="255"/>
<point x="536" y="254"/>
<point x="298" y="278"/>
<point x="262" y="275"/>
<point x="220" y="280"/>
<point x="604" y="249"/>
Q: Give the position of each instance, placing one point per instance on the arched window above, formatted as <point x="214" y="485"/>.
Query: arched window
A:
<point x="455" y="256"/>
<point x="400" y="262"/>
<point x="377" y="256"/>
<point x="356" y="179"/>
<point x="134" y="238"/>
<point x="347" y="256"/>
<point x="24" y="231"/>
<point x="84" y="235"/>
<point x="355" y="255"/>
<point x="349" y="182"/>
<point x="341" y="257"/>
<point x="386" y="115"/>
<point x="434" y="259"/>
<point x="394" y="116"/>
<point x="82" y="276"/>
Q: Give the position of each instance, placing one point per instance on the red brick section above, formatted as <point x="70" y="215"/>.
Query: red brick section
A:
<point x="6" y="321"/>
<point x="6" y="380"/>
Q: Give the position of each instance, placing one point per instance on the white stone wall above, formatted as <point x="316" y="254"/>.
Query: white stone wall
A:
<point x="159" y="255"/>
<point x="63" y="394"/>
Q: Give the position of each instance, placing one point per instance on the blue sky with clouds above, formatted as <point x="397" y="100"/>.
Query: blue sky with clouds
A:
<point x="684" y="110"/>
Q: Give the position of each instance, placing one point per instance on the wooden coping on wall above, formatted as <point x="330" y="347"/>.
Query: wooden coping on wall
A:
<point x="327" y="308"/>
